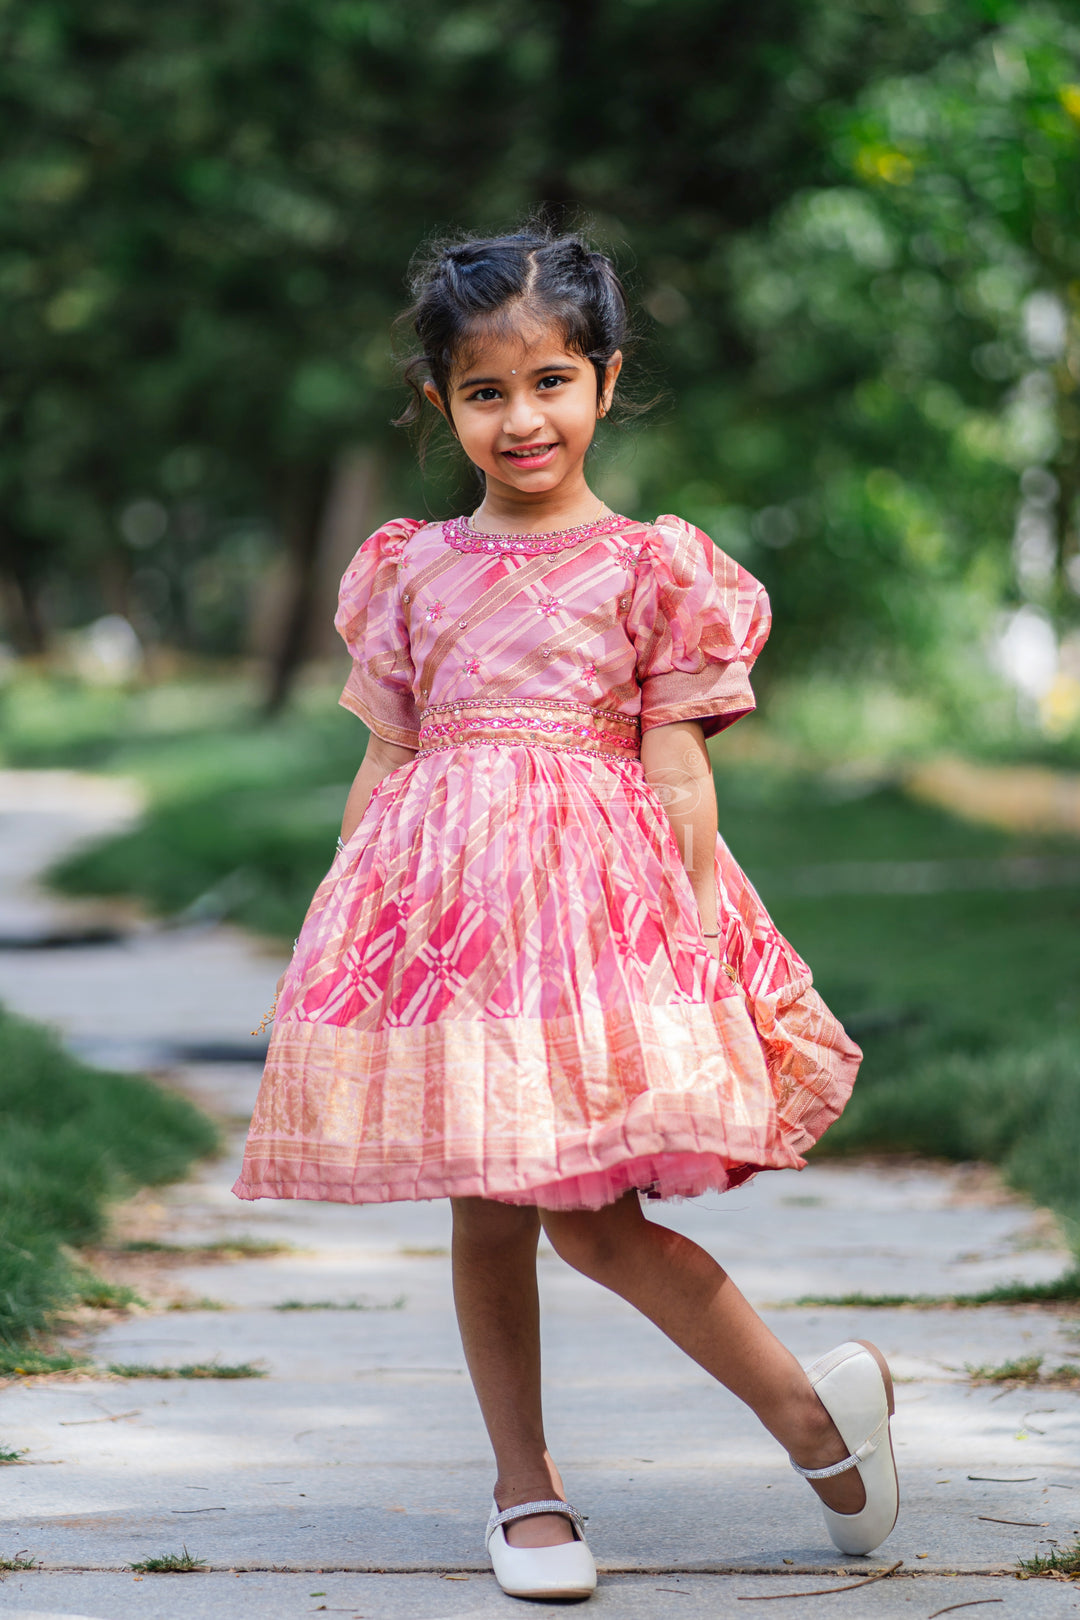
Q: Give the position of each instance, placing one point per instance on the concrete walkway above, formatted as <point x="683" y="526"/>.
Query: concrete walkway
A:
<point x="355" y="1477"/>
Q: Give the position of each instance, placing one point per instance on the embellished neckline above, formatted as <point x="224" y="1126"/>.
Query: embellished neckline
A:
<point x="459" y="533"/>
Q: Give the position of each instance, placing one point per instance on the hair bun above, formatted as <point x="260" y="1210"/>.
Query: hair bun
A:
<point x="466" y="256"/>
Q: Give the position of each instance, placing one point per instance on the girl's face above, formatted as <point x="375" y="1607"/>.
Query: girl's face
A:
<point x="525" y="410"/>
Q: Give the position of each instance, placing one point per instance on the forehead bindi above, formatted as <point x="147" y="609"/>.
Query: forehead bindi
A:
<point x="527" y="355"/>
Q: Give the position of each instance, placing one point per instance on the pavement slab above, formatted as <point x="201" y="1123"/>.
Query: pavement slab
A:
<point x="356" y="1473"/>
<point x="265" y="1596"/>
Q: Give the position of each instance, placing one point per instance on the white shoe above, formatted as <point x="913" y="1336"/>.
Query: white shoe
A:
<point x="564" y="1571"/>
<point x="854" y="1386"/>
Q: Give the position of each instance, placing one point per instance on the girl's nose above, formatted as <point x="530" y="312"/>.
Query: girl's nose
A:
<point x="523" y="416"/>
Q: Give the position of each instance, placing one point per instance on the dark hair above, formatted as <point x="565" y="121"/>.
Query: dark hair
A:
<point x="466" y="288"/>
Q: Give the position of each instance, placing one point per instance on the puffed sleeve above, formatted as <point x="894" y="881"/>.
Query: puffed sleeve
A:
<point x="698" y="621"/>
<point x="370" y="620"/>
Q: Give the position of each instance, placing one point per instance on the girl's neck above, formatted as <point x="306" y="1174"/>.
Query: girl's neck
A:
<point x="510" y="512"/>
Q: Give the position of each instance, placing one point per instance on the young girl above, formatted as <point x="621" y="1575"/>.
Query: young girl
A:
<point x="534" y="980"/>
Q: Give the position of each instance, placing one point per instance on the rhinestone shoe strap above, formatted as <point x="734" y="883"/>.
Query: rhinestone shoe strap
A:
<point x="527" y="1509"/>
<point x="848" y="1462"/>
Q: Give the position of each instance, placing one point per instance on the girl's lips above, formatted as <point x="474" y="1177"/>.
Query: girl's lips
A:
<point x="532" y="455"/>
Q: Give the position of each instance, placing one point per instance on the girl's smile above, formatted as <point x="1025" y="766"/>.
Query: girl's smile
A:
<point x="532" y="455"/>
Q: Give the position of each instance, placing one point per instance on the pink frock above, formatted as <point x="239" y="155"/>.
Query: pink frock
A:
<point x="501" y="988"/>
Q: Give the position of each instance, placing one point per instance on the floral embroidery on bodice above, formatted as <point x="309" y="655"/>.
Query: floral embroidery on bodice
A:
<point x="548" y="626"/>
<point x="459" y="533"/>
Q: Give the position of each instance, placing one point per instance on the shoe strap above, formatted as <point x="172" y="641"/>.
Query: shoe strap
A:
<point x="856" y="1457"/>
<point x="528" y="1509"/>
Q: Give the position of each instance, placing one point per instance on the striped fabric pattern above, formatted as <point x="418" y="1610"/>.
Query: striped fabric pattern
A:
<point x="501" y="988"/>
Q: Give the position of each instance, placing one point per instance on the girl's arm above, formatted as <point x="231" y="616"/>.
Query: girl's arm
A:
<point x="677" y="765"/>
<point x="380" y="758"/>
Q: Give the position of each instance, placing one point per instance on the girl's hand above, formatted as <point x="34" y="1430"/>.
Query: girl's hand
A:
<point x="280" y="983"/>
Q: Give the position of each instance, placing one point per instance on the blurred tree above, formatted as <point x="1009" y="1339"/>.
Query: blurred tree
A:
<point x="207" y="209"/>
<point x="897" y="452"/>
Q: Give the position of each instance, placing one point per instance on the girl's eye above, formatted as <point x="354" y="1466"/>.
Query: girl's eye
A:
<point x="483" y="396"/>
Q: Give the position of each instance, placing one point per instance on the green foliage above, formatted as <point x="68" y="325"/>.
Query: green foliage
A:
<point x="222" y="854"/>
<point x="71" y="1139"/>
<point x="246" y="812"/>
<point x="911" y="360"/>
<point x="1017" y="1107"/>
<point x="55" y="720"/>
<point x="964" y="1002"/>
<point x="208" y="209"/>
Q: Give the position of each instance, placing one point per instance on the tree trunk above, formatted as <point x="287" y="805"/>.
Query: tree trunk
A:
<point x="19" y="607"/>
<point x="305" y="490"/>
<point x="355" y="494"/>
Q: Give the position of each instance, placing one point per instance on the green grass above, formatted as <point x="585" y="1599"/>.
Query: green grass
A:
<point x="1024" y="1370"/>
<point x="195" y="1369"/>
<point x="913" y="974"/>
<point x="1027" y="1370"/>
<point x="1062" y="1561"/>
<point x="240" y="1248"/>
<point x="72" y="1139"/>
<point x="10" y="1566"/>
<point x="1017" y="1107"/>
<point x="1064" y="1290"/>
<point x="29" y="1362"/>
<point x="102" y="1295"/>
<point x="169" y="1564"/>
<point x="16" y="1362"/>
<point x="966" y="1004"/>
<point x="7" y="1456"/>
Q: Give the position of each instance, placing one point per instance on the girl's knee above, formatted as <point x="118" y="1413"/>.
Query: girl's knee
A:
<point x="584" y="1239"/>
<point x="483" y="1221"/>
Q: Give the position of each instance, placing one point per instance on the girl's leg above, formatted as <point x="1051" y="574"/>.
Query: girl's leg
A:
<point x="498" y="1311"/>
<point x="673" y="1282"/>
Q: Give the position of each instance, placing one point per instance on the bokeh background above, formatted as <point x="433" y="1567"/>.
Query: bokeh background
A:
<point x="850" y="230"/>
<point x="850" y="226"/>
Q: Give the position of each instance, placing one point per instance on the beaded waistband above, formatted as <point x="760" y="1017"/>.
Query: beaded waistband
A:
<point x="529" y="722"/>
